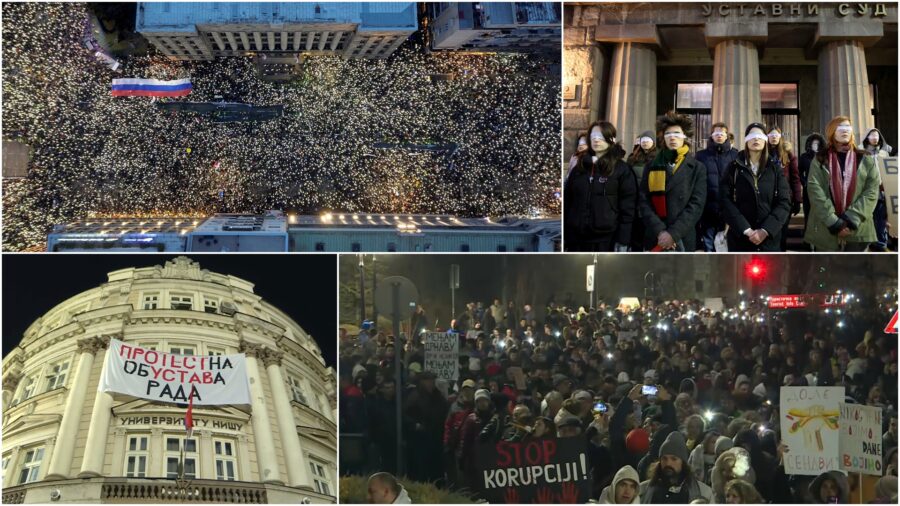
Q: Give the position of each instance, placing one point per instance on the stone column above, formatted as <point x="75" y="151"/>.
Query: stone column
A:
<point x="243" y="455"/>
<point x="844" y="85"/>
<point x="582" y="86"/>
<point x="735" y="94"/>
<point x="207" y="461"/>
<point x="118" y="452"/>
<point x="298" y="475"/>
<point x="631" y="101"/>
<point x="9" y="479"/>
<point x="49" y="448"/>
<point x="156" y="466"/>
<point x="95" y="447"/>
<point x="61" y="460"/>
<point x="262" y="428"/>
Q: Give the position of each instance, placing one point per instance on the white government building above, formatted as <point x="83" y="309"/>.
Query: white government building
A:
<point x="64" y="441"/>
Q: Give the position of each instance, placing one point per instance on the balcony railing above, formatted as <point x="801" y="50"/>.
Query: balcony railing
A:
<point x="199" y="491"/>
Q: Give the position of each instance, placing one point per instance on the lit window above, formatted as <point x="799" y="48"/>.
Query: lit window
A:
<point x="225" y="461"/>
<point x="323" y="485"/>
<point x="56" y="376"/>
<point x="173" y="456"/>
<point x="151" y="301"/>
<point x="31" y="467"/>
<point x="185" y="302"/>
<point x="136" y="457"/>
<point x="210" y="305"/>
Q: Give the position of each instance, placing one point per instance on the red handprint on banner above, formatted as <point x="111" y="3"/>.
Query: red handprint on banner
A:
<point x="569" y="494"/>
<point x="511" y="496"/>
<point x="544" y="496"/>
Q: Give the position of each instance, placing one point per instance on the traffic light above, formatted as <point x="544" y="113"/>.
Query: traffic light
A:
<point x="755" y="270"/>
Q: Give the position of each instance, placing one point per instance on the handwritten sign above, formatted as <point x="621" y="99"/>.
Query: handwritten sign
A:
<point x="442" y="355"/>
<point x="861" y="444"/>
<point x="810" y="428"/>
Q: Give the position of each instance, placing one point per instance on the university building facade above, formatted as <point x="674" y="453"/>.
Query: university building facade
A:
<point x="793" y="64"/>
<point x="65" y="441"/>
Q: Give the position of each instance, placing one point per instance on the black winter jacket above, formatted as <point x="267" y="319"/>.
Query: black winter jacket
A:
<point x="600" y="209"/>
<point x="717" y="158"/>
<point x="685" y="200"/>
<point x="754" y="202"/>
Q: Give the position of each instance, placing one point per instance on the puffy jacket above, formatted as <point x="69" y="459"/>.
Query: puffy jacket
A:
<point x="754" y="202"/>
<point x="453" y="426"/>
<point x="600" y="208"/>
<point x="717" y="158"/>
<point x="860" y="210"/>
<point x="685" y="201"/>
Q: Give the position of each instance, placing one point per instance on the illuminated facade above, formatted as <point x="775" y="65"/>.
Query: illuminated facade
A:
<point x="64" y="441"/>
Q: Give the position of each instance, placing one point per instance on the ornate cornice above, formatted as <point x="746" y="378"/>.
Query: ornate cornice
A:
<point x="271" y="357"/>
<point x="11" y="381"/>
<point x="251" y="349"/>
<point x="175" y="317"/>
<point x="94" y="344"/>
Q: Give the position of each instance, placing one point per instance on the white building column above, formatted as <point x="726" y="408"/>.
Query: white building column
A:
<point x="207" y="463"/>
<point x="243" y="454"/>
<point x="61" y="459"/>
<point x="262" y="428"/>
<point x="9" y="479"/>
<point x="298" y="475"/>
<point x="631" y="101"/>
<point x="735" y="95"/>
<point x="98" y="431"/>
<point x="156" y="467"/>
<point x="844" y="85"/>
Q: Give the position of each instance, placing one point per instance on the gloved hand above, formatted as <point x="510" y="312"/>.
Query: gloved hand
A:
<point x="838" y="226"/>
<point x="795" y="208"/>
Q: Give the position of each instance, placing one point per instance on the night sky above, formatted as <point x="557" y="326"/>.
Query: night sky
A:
<point x="302" y="286"/>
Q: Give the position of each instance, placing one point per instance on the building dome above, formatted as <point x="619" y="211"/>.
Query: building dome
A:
<point x="64" y="440"/>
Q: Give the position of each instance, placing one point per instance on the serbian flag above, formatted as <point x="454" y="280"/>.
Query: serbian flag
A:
<point x="189" y="418"/>
<point x="132" y="87"/>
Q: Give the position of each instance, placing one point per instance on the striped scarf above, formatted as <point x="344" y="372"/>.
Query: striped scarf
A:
<point x="656" y="176"/>
<point x="843" y="182"/>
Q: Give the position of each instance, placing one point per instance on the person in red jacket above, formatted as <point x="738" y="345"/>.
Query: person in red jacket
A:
<point x="459" y="411"/>
<point x="469" y="432"/>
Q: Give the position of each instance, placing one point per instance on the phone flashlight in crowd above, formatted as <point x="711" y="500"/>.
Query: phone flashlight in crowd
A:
<point x="600" y="407"/>
<point x="708" y="415"/>
<point x="557" y="334"/>
<point x="502" y="344"/>
<point x="530" y="340"/>
<point x="762" y="428"/>
<point x="649" y="390"/>
<point x="609" y="356"/>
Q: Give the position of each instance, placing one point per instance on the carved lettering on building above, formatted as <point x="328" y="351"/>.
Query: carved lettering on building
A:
<point x="794" y="9"/>
<point x="178" y="421"/>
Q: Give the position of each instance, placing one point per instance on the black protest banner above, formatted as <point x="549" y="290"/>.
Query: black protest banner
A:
<point x="541" y="471"/>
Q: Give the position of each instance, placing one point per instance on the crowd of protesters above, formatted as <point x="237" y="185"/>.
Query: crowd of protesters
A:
<point x="357" y="135"/>
<point x="708" y="433"/>
<point x="725" y="197"/>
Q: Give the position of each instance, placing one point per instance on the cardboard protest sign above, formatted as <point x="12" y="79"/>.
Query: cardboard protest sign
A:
<point x="442" y="355"/>
<point x="540" y="471"/>
<point x="167" y="377"/>
<point x="861" y="439"/>
<point x="809" y="428"/>
<point x="518" y="375"/>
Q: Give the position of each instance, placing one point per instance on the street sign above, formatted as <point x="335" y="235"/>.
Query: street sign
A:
<point x="590" y="277"/>
<point x="892" y="325"/>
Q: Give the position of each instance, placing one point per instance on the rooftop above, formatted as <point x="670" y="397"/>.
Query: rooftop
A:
<point x="273" y="222"/>
<point x="122" y="226"/>
<point x="414" y="222"/>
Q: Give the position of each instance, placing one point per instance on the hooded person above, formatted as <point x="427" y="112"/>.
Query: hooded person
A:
<point x="830" y="487"/>
<point x="717" y="157"/>
<point x="814" y="143"/>
<point x="673" y="189"/>
<point x="600" y="195"/>
<point x="703" y="457"/>
<point x="843" y="191"/>
<point x="733" y="464"/>
<point x="875" y="145"/>
<point x="469" y="432"/>
<point x="755" y="197"/>
<point x="671" y="480"/>
<point x="623" y="489"/>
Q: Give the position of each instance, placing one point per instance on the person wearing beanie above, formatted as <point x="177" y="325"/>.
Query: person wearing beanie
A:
<point x="671" y="481"/>
<point x="740" y="492"/>
<point x="731" y="465"/>
<point x="673" y="189"/>
<point x="717" y="157"/>
<point x="755" y="197"/>
<point x="600" y="196"/>
<point x="703" y="457"/>
<point x="843" y="191"/>
<point x="623" y="489"/>
<point x="886" y="490"/>
<point x="461" y="408"/>
<point x="643" y="153"/>
<point x="830" y="487"/>
<point x="468" y="435"/>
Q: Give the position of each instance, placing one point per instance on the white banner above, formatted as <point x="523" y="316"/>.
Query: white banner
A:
<point x="861" y="439"/>
<point x="166" y="377"/>
<point x="442" y="355"/>
<point x="809" y="428"/>
<point x="590" y="277"/>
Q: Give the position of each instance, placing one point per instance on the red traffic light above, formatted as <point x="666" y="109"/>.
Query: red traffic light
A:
<point x="756" y="270"/>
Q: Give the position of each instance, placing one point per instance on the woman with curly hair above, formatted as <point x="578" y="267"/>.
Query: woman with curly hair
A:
<point x="673" y="189"/>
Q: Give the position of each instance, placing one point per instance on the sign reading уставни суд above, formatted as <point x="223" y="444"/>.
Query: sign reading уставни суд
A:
<point x="167" y="377"/>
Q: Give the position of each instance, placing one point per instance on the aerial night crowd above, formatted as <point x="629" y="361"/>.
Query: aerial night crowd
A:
<point x="706" y="431"/>
<point x="661" y="197"/>
<point x="343" y="143"/>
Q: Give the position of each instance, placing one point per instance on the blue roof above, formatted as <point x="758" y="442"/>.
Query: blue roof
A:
<point x="184" y="16"/>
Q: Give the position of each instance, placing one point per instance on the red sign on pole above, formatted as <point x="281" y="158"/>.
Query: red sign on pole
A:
<point x="802" y="300"/>
<point x="892" y="325"/>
